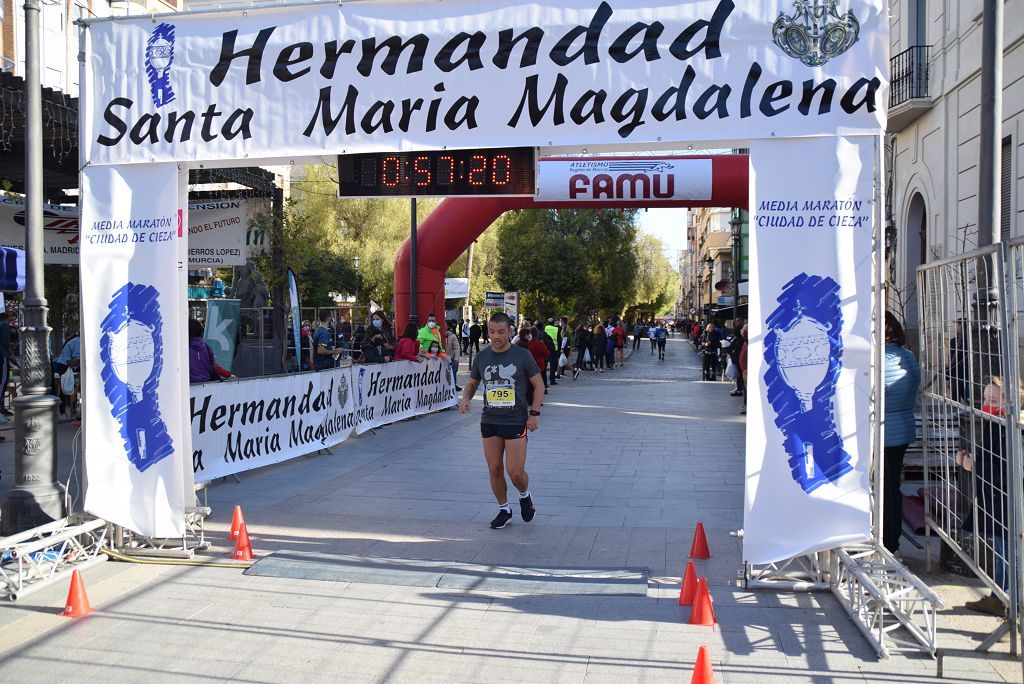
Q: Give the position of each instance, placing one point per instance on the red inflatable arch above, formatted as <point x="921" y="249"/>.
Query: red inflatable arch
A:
<point x="458" y="221"/>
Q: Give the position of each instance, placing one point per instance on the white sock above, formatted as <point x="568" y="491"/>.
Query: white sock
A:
<point x="505" y="507"/>
<point x="523" y="495"/>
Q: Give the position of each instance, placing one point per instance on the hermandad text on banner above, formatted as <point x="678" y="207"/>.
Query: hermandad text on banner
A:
<point x="401" y="389"/>
<point x="238" y="426"/>
<point x="409" y="75"/>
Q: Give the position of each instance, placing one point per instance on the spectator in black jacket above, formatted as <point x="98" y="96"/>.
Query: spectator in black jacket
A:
<point x="375" y="350"/>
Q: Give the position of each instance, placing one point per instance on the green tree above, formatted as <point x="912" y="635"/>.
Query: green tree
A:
<point x="579" y="261"/>
<point x="371" y="228"/>
<point x="656" y="282"/>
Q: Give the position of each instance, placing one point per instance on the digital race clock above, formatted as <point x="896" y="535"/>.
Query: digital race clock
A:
<point x="479" y="172"/>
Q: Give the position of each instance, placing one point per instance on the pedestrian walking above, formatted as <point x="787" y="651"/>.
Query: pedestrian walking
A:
<point x="619" y="337"/>
<point x="710" y="344"/>
<point x="582" y="341"/>
<point x="598" y="348"/>
<point x="507" y="374"/>
<point x="739" y="339"/>
<point x="539" y="350"/>
<point x="661" y="337"/>
<point x="652" y="334"/>
<point x="639" y="333"/>
<point x="464" y="336"/>
<point x="452" y="348"/>
<point x="902" y="379"/>
<point x="474" y="336"/>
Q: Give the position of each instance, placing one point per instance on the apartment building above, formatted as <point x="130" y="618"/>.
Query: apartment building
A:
<point x="932" y="141"/>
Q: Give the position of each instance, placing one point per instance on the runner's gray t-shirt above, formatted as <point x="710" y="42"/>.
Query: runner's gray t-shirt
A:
<point x="504" y="377"/>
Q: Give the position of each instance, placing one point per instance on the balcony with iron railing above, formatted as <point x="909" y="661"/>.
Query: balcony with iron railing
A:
<point x="908" y="87"/>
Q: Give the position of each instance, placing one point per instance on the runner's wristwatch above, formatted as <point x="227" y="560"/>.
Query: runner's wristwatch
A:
<point x="534" y="413"/>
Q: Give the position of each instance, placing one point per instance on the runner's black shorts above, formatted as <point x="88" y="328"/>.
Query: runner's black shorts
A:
<point x="503" y="431"/>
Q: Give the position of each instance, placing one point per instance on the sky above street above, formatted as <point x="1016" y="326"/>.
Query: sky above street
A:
<point x="668" y="225"/>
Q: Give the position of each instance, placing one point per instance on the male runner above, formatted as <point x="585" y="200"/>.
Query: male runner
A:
<point x="507" y="372"/>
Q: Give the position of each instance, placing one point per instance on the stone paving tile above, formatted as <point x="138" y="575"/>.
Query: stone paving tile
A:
<point x="621" y="474"/>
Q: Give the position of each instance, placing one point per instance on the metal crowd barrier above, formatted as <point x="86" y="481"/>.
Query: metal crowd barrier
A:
<point x="971" y="312"/>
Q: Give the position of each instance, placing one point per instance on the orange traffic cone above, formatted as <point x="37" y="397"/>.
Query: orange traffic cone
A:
<point x="77" y="604"/>
<point x="699" y="547"/>
<point x="237" y="520"/>
<point x="243" y="550"/>
<point x="689" y="588"/>
<point x="703" y="613"/>
<point x="702" y="672"/>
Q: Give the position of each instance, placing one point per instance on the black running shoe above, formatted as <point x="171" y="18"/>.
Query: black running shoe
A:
<point x="527" y="508"/>
<point x="501" y="519"/>
<point x="575" y="374"/>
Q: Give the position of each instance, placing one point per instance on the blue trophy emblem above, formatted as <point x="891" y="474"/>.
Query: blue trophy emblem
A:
<point x="131" y="350"/>
<point x="802" y="353"/>
<point x="159" y="57"/>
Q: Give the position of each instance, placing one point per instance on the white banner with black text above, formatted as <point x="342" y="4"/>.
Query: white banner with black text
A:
<point x="247" y="424"/>
<point x="401" y="389"/>
<point x="216" y="229"/>
<point x="132" y="337"/>
<point x="309" y="80"/>
<point x="809" y="379"/>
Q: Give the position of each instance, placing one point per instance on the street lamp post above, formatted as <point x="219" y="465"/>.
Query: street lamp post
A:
<point x="355" y="264"/>
<point x="710" y="261"/>
<point x="735" y="224"/>
<point x="35" y="498"/>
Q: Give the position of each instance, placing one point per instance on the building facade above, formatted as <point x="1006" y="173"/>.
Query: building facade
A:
<point x="709" y="237"/>
<point x="933" y="138"/>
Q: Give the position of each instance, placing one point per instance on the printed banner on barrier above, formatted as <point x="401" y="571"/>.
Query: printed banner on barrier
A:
<point x="604" y="179"/>
<point x="247" y="424"/>
<point x="223" y="317"/>
<point x="456" y="288"/>
<point x="132" y="341"/>
<point x="402" y="389"/>
<point x="383" y="76"/>
<point x="808" y="454"/>
<point x="217" y="232"/>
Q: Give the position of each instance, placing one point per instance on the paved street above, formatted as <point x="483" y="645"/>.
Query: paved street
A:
<point x="622" y="468"/>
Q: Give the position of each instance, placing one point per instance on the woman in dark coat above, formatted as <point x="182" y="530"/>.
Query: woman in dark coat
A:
<point x="599" y="347"/>
<point x="582" y="346"/>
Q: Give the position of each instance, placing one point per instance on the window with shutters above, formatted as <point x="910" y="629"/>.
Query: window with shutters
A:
<point x="1006" y="188"/>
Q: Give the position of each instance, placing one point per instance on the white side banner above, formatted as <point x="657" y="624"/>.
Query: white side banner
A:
<point x="132" y="338"/>
<point x="623" y="178"/>
<point x="456" y="288"/>
<point x="402" y="389"/>
<point x="809" y="369"/>
<point x="311" y="80"/>
<point x="247" y="424"/>
<point x="217" y="232"/>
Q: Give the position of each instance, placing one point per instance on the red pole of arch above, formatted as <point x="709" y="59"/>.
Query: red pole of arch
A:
<point x="458" y="221"/>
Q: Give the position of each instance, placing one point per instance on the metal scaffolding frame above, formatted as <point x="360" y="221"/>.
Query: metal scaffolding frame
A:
<point x="36" y="558"/>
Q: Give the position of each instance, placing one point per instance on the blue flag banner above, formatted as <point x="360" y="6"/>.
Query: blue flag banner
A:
<point x="293" y="290"/>
<point x="12" y="269"/>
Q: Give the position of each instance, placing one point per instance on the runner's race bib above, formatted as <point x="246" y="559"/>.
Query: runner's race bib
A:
<point x="501" y="396"/>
